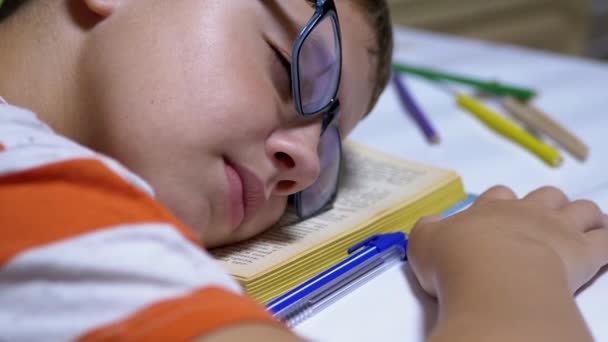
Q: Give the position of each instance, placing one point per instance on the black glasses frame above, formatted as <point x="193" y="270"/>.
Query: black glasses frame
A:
<point x="330" y="121"/>
<point x="331" y="110"/>
<point x="323" y="8"/>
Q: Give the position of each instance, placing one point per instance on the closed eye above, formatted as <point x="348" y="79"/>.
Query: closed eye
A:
<point x="284" y="75"/>
<point x="283" y="60"/>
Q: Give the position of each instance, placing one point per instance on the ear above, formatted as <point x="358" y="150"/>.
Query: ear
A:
<point x="103" y="8"/>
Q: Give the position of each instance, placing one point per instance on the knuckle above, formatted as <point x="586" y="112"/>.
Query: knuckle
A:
<point x="588" y="205"/>
<point x="552" y="191"/>
<point x="499" y="187"/>
<point x="550" y="188"/>
<point x="501" y="190"/>
<point x="495" y="193"/>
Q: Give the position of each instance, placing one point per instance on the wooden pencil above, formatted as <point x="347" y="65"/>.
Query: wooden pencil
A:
<point x="540" y="121"/>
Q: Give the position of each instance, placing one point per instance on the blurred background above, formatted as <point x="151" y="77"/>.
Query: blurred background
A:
<point x="577" y="27"/>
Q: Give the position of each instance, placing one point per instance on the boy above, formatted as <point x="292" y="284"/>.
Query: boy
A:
<point x="212" y="110"/>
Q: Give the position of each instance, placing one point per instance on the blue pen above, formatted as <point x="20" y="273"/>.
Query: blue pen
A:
<point x="372" y="256"/>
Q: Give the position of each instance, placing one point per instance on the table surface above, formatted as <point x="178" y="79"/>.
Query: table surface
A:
<point x="573" y="90"/>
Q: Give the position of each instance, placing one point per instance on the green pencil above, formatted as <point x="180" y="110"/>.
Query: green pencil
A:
<point x="494" y="88"/>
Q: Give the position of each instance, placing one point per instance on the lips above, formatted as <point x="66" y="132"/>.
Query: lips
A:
<point x="245" y="193"/>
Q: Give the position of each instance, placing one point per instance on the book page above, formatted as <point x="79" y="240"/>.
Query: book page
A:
<point x="372" y="183"/>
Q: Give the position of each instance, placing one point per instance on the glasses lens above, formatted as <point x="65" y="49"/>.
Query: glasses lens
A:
<point x="319" y="194"/>
<point x="319" y="66"/>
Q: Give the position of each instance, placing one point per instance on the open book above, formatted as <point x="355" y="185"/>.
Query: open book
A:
<point x="378" y="194"/>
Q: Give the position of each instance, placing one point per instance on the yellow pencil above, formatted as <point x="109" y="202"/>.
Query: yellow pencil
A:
<point x="509" y="130"/>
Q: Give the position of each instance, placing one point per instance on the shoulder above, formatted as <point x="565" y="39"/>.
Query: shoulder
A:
<point x="28" y="143"/>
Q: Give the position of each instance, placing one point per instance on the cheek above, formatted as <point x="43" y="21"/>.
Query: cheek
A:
<point x="199" y="89"/>
<point x="355" y="87"/>
<point x="232" y="96"/>
<point x="354" y="102"/>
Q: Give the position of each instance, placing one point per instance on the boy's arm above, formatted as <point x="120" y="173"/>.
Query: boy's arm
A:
<point x="506" y="269"/>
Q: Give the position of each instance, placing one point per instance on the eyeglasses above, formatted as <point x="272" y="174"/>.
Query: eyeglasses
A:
<point x="315" y="79"/>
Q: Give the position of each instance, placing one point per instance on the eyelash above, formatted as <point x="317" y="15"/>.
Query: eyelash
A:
<point x="284" y="62"/>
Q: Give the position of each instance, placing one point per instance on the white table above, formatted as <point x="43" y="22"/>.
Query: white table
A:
<point x="574" y="91"/>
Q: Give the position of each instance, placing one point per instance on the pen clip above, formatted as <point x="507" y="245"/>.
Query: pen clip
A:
<point x="382" y="242"/>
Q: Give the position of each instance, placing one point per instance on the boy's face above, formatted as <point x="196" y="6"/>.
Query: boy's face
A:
<point x="190" y="95"/>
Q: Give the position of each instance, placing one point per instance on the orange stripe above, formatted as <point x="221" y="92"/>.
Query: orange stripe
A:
<point x="184" y="318"/>
<point x="65" y="199"/>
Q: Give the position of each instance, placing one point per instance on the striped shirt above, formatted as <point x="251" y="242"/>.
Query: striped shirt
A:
<point x="87" y="254"/>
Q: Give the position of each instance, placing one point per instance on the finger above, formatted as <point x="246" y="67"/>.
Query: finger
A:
<point x="548" y="196"/>
<point x="498" y="192"/>
<point x="585" y="215"/>
<point x="421" y="230"/>
<point x="420" y="226"/>
<point x="598" y="240"/>
<point x="429" y="219"/>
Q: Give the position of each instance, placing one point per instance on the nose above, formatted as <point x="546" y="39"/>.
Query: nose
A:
<point x="294" y="152"/>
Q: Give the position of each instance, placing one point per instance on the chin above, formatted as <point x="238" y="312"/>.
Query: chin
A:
<point x="232" y="238"/>
<point x="253" y="227"/>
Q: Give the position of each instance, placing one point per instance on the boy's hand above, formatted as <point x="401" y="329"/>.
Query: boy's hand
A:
<point x="544" y="234"/>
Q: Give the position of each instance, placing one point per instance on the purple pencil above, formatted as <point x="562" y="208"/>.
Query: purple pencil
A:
<point x="410" y="105"/>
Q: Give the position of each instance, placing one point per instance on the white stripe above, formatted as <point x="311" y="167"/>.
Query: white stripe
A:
<point x="61" y="291"/>
<point x="30" y="143"/>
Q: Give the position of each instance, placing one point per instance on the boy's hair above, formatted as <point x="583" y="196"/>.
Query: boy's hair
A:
<point x="7" y="7"/>
<point x="377" y="13"/>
